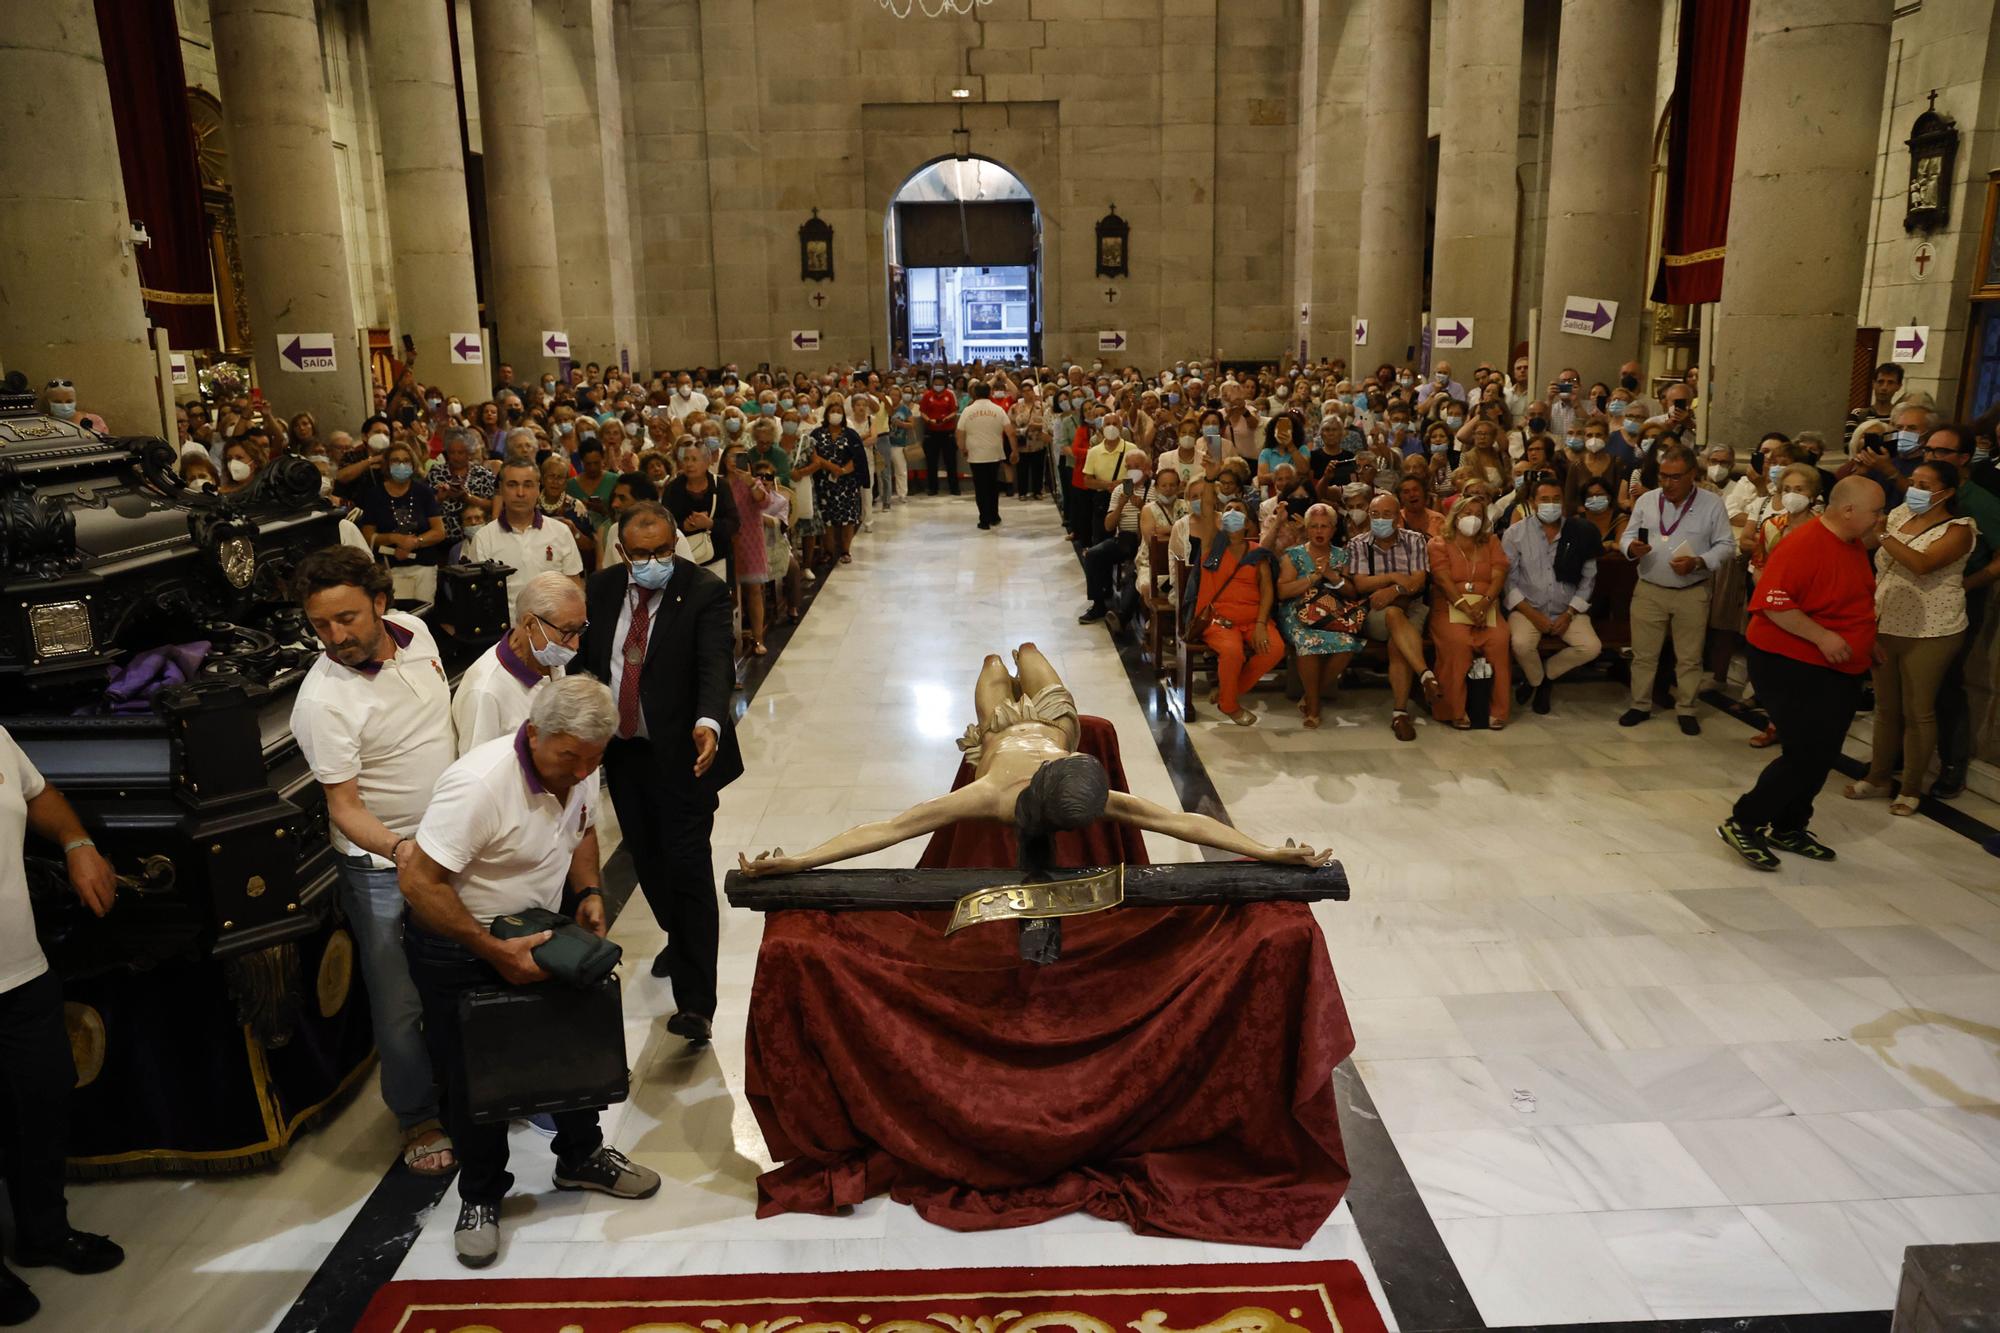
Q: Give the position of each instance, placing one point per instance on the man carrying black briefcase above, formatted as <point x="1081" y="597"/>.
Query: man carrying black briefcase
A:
<point x="510" y="824"/>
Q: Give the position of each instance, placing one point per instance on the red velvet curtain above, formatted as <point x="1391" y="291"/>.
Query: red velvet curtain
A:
<point x="142" y="65"/>
<point x="1701" y="149"/>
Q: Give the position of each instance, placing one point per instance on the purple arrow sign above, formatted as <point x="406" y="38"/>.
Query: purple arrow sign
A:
<point x="464" y="346"/>
<point x="1913" y="345"/>
<point x="799" y="340"/>
<point x="555" y="346"/>
<point x="1597" y="318"/>
<point x="298" y="354"/>
<point x="1114" y="342"/>
<point x="1457" y="332"/>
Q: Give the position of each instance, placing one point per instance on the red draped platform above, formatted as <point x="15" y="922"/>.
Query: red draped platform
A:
<point x="1173" y="1070"/>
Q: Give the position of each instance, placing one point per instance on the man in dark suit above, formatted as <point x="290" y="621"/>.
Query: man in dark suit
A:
<point x="660" y="637"/>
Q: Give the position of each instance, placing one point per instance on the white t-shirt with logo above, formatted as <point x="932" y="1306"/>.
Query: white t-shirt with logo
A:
<point x="985" y="425"/>
<point x="21" y="958"/>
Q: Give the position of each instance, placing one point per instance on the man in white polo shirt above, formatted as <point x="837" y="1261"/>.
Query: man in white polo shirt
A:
<point x="510" y="826"/>
<point x="36" y="1070"/>
<point x="986" y="439"/>
<point x="373" y="719"/>
<point x="522" y="538"/>
<point x="493" y="695"/>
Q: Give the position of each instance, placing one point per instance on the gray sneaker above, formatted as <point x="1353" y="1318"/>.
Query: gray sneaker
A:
<point x="608" y="1171"/>
<point x="477" y="1237"/>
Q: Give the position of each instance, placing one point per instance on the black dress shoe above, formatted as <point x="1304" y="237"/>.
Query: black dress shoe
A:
<point x="17" y="1304"/>
<point x="1522" y="689"/>
<point x="1093" y="615"/>
<point x="1689" y="725"/>
<point x="79" y="1252"/>
<point x="693" y="1026"/>
<point x="1950" y="782"/>
<point x="1632" y="717"/>
<point x="1542" y="693"/>
<point x="660" y="963"/>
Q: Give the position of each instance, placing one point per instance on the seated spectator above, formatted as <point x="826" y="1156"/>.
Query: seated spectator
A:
<point x="1921" y="621"/>
<point x="197" y="469"/>
<point x="1320" y="609"/>
<point x="242" y="460"/>
<point x="1389" y="564"/>
<point x="558" y="504"/>
<point x="1118" y="545"/>
<point x="1551" y="572"/>
<point x="1468" y="573"/>
<point x="1284" y="442"/>
<point x="476" y="514"/>
<point x="1164" y="514"/>
<point x="591" y="486"/>
<point x="404" y="526"/>
<point x="1236" y="594"/>
<point x="1413" y="495"/>
<point x="1281" y="515"/>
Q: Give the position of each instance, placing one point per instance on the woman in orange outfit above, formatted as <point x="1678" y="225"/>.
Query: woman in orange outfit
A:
<point x="1468" y="570"/>
<point x="1237" y="587"/>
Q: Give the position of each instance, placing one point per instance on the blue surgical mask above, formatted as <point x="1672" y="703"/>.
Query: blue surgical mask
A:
<point x="1906" y="441"/>
<point x="1454" y="422"/>
<point x="63" y="411"/>
<point x="1629" y="427"/>
<point x="401" y="472"/>
<point x="1383" y="528"/>
<point x="1573" y="442"/>
<point x="1232" y="521"/>
<point x="733" y="425"/>
<point x="1212" y="431"/>
<point x="1548" y="513"/>
<point x="1440" y="446"/>
<point x="1360" y="400"/>
<point x="1919" y="499"/>
<point x="1775" y="471"/>
<point x="652" y="575"/>
<point x="1597" y="504"/>
<point x="787" y="403"/>
<point x="1173" y="400"/>
<point x="768" y="409"/>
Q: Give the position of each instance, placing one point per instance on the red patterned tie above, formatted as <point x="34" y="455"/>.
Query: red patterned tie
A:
<point x="635" y="657"/>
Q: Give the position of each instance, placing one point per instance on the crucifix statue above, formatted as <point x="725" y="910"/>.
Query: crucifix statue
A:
<point x="1027" y="772"/>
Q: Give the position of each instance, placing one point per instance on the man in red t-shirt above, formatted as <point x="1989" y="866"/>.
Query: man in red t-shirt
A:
<point x="1812" y="641"/>
<point x="939" y="409"/>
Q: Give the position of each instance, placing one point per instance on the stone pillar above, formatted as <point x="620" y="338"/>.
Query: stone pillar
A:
<point x="1472" y="273"/>
<point x="1394" y="165"/>
<point x="1798" y="217"/>
<point x="524" y="291"/>
<point x="72" y="308"/>
<point x="1601" y="151"/>
<point x="423" y="168"/>
<point x="288" y="221"/>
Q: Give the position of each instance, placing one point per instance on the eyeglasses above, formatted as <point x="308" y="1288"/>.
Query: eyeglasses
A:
<point x="568" y="634"/>
<point x="59" y="384"/>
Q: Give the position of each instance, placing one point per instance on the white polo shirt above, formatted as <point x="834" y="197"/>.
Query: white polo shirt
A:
<point x="493" y="696"/>
<point x="543" y="546"/>
<point x="985" y="425"/>
<point x="388" y="726"/>
<point x="21" y="958"/>
<point x="506" y="839"/>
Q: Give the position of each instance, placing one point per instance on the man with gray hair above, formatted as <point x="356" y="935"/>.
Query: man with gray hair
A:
<point x="1888" y="460"/>
<point x="511" y="827"/>
<point x="496" y="691"/>
<point x="1679" y="535"/>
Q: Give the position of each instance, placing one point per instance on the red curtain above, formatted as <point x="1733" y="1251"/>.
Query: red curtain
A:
<point x="1701" y="149"/>
<point x="142" y="65"/>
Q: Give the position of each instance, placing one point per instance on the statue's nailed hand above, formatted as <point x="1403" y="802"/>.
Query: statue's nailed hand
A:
<point x="1294" y="855"/>
<point x="773" y="862"/>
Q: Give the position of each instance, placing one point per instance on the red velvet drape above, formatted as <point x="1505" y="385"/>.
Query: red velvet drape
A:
<point x="1701" y="149"/>
<point x="1173" y="1070"/>
<point x="142" y="66"/>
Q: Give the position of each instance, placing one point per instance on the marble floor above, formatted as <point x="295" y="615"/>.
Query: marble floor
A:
<point x="1630" y="1077"/>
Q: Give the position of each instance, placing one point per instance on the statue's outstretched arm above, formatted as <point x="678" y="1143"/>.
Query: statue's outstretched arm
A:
<point x="1206" y="831"/>
<point x="968" y="802"/>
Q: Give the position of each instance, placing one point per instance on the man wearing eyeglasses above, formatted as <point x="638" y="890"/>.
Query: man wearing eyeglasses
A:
<point x="494" y="694"/>
<point x="660" y="637"/>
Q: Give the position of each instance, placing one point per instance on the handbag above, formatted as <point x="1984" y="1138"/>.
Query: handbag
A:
<point x="1325" y="609"/>
<point x="699" y="547"/>
<point x="1204" y="616"/>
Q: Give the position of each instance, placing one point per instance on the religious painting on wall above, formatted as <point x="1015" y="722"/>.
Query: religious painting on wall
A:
<point x="816" y="249"/>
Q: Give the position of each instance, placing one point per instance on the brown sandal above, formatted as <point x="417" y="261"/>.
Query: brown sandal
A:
<point x="428" y="1141"/>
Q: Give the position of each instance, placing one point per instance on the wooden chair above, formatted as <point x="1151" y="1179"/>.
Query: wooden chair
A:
<point x="1156" y="603"/>
<point x="1191" y="651"/>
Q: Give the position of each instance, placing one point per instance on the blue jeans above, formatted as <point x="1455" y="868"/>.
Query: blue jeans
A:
<point x="374" y="908"/>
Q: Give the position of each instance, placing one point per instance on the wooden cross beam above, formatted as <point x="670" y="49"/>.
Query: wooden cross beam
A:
<point x="982" y="894"/>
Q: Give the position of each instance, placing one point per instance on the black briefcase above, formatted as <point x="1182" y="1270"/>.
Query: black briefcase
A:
<point x="545" y="1047"/>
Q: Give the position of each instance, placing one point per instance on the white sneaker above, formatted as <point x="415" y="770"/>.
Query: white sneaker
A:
<point x="476" y="1238"/>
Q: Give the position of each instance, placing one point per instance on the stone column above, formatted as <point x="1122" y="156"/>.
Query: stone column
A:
<point x="1601" y="151"/>
<point x="423" y="167"/>
<point x="1394" y="165"/>
<point x="524" y="290"/>
<point x="1798" y="217"/>
<point x="288" y="221"/>
<point x="1472" y="273"/>
<point x="72" y="308"/>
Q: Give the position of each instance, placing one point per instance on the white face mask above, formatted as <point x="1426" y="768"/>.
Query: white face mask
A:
<point x="1111" y="434"/>
<point x="1594" y="444"/>
<point x="239" y="470"/>
<point x="1718" y="472"/>
<point x="1187" y="442"/>
<point x="378" y="442"/>
<point x="1794" y="502"/>
<point x="1470" y="525"/>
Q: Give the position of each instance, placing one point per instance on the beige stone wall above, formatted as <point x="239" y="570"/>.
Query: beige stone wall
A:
<point x="745" y="118"/>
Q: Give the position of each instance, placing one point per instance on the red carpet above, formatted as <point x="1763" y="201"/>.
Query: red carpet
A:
<point x="1328" y="1297"/>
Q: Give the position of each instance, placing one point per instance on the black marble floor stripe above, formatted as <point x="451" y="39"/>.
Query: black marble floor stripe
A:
<point x="1419" y="1278"/>
<point x="1858" y="1321"/>
<point x="379" y="1237"/>
<point x="1940" y="812"/>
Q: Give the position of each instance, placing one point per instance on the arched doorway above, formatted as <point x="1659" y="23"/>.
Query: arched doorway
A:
<point x="962" y="238"/>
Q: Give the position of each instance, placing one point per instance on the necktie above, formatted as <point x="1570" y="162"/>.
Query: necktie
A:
<point x="635" y="658"/>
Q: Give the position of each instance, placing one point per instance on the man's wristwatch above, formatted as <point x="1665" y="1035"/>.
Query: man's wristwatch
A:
<point x="595" y="889"/>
